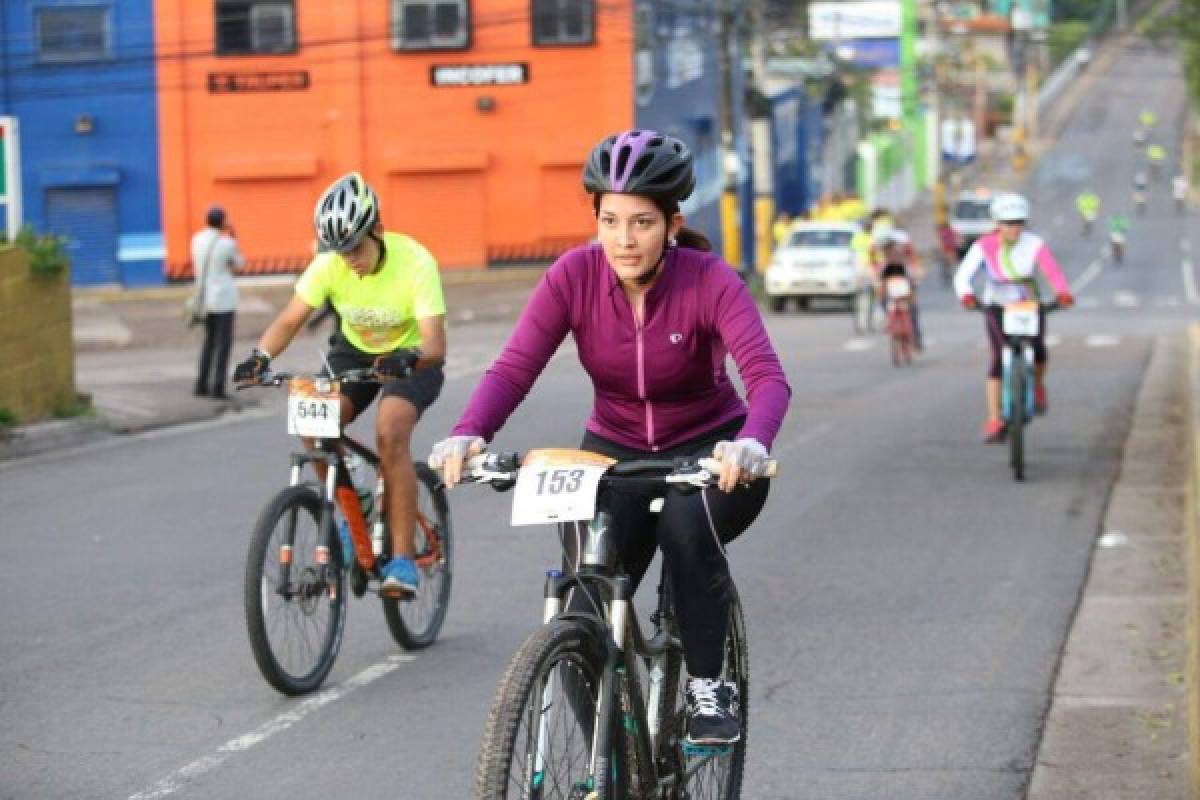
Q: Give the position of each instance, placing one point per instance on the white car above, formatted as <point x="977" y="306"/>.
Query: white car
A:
<point x="816" y="260"/>
<point x="971" y="218"/>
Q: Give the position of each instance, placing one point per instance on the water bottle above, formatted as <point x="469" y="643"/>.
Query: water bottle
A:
<point x="358" y="474"/>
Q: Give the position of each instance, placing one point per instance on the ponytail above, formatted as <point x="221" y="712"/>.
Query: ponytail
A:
<point x="694" y="239"/>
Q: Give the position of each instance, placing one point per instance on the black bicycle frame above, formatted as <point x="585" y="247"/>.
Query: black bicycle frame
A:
<point x="624" y="641"/>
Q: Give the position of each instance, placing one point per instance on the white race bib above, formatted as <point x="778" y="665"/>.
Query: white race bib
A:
<point x="1021" y="319"/>
<point x="314" y="409"/>
<point x="557" y="486"/>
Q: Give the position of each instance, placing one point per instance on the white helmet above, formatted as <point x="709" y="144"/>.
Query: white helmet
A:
<point x="1009" y="208"/>
<point x="345" y="213"/>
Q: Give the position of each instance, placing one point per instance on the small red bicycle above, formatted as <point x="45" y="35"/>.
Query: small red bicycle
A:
<point x="898" y="293"/>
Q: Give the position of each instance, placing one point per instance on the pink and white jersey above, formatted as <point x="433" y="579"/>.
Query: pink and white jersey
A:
<point x="1009" y="276"/>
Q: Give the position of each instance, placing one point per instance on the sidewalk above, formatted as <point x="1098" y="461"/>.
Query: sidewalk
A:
<point x="136" y="359"/>
<point x="1117" y="727"/>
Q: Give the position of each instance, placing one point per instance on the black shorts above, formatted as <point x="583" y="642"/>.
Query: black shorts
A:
<point x="420" y="389"/>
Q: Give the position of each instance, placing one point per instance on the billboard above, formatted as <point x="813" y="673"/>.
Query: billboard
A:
<point x="860" y="19"/>
<point x="868" y="53"/>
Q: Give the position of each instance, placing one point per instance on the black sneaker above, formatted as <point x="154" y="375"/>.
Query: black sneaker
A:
<point x="712" y="709"/>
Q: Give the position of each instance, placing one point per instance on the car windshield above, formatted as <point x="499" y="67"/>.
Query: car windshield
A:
<point x="971" y="209"/>
<point x="836" y="238"/>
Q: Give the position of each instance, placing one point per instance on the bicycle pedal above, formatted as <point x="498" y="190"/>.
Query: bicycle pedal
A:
<point x="706" y="750"/>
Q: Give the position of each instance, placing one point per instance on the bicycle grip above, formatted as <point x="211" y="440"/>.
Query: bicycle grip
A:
<point x="714" y="466"/>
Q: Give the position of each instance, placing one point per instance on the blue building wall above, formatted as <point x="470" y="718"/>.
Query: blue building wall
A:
<point x="790" y="136"/>
<point x="677" y="91"/>
<point x="88" y="128"/>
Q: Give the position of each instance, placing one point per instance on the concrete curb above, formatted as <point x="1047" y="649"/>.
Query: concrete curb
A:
<point x="41" y="437"/>
<point x="178" y="291"/>
<point x="1192" y="553"/>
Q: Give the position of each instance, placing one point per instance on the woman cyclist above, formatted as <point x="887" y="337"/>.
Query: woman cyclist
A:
<point x="653" y="315"/>
<point x="387" y="293"/>
<point x="1011" y="257"/>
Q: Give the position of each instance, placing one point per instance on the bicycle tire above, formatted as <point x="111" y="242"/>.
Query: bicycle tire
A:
<point x="559" y="644"/>
<point x="1016" y="422"/>
<point x="415" y="622"/>
<point x="717" y="776"/>
<point x="291" y="670"/>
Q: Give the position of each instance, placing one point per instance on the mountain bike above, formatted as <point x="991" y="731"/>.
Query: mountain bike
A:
<point x="898" y="292"/>
<point x="296" y="570"/>
<point x="1021" y="323"/>
<point x="589" y="707"/>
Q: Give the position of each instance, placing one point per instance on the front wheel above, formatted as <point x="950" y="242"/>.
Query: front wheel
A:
<point x="294" y="592"/>
<point x="1016" y="421"/>
<point x="416" y="621"/>
<point x="538" y="738"/>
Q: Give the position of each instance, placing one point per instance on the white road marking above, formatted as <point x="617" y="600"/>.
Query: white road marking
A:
<point x="176" y="780"/>
<point x="1102" y="340"/>
<point x="1126" y="300"/>
<point x="859" y="344"/>
<point x="1053" y="340"/>
<point x="1189" y="281"/>
<point x="1088" y="275"/>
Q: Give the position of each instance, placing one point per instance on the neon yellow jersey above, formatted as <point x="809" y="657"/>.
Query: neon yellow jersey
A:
<point x="379" y="312"/>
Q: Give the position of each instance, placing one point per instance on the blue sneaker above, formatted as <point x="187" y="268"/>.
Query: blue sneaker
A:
<point x="400" y="578"/>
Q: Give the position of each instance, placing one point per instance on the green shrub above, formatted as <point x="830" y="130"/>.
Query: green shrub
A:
<point x="1065" y="37"/>
<point x="75" y="406"/>
<point x="47" y="252"/>
<point x="7" y="419"/>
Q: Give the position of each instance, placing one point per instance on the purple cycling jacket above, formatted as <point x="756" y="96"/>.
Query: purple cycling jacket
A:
<point x="656" y="386"/>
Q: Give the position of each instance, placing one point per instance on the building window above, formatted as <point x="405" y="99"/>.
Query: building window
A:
<point x="430" y="24"/>
<point x="73" y="33"/>
<point x="564" y="22"/>
<point x="255" y="26"/>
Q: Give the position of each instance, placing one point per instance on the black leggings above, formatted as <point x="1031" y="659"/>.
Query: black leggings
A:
<point x="994" y="320"/>
<point x="694" y="560"/>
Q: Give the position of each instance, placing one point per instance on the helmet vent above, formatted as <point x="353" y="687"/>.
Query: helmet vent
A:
<point x="622" y="160"/>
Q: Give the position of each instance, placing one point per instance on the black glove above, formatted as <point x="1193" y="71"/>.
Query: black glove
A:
<point x="397" y="365"/>
<point x="250" y="370"/>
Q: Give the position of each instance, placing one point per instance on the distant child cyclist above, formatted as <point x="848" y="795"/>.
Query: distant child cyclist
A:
<point x="387" y="293"/>
<point x="1010" y="257"/>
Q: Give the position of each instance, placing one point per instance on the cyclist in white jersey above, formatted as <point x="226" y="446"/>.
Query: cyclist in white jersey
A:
<point x="1010" y="258"/>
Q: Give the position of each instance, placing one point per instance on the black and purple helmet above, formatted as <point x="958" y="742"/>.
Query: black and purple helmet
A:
<point x="641" y="162"/>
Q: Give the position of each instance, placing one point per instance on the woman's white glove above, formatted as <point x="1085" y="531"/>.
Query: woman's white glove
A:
<point x="741" y="462"/>
<point x="449" y="454"/>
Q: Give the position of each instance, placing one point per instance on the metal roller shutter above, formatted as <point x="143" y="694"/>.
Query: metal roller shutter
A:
<point x="87" y="217"/>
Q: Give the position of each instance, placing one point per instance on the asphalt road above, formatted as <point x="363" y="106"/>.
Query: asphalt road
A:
<point x="907" y="602"/>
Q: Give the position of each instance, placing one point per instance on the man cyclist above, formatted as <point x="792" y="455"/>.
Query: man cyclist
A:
<point x="1088" y="203"/>
<point x="387" y="293"/>
<point x="1118" y="228"/>
<point x="1179" y="191"/>
<point x="1010" y="257"/>
<point x="654" y="316"/>
<point x="1140" y="182"/>
<point x="1156" y="154"/>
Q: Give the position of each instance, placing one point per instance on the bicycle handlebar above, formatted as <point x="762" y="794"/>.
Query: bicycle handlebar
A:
<point x="500" y="470"/>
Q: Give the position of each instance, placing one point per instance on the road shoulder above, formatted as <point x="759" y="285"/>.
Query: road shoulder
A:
<point x="1117" y="725"/>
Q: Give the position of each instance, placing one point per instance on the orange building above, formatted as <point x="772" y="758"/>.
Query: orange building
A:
<point x="471" y="119"/>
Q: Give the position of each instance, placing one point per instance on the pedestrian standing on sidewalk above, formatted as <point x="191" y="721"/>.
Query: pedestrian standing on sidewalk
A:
<point x="215" y="260"/>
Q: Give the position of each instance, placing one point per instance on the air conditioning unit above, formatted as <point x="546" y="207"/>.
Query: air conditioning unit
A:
<point x="271" y="27"/>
